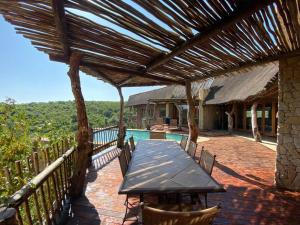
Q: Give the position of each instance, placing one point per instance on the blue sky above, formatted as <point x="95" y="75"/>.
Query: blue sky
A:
<point x="27" y="75"/>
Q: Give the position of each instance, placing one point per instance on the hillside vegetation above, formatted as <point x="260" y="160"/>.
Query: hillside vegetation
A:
<point x="62" y="115"/>
<point x="22" y="127"/>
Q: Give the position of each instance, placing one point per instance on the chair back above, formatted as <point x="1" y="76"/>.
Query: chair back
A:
<point x="207" y="161"/>
<point x="173" y="122"/>
<point x="127" y="152"/>
<point x="132" y="145"/>
<point x="123" y="162"/>
<point x="159" y="121"/>
<point x="183" y="142"/>
<point x="152" y="216"/>
<point x="191" y="150"/>
<point x="157" y="135"/>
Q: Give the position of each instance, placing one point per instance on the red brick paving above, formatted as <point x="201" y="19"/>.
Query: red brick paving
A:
<point x="244" y="167"/>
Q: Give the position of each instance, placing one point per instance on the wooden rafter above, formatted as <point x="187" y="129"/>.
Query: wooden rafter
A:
<point x="246" y="9"/>
<point x="128" y="72"/>
<point x="231" y="35"/>
<point x="61" y="25"/>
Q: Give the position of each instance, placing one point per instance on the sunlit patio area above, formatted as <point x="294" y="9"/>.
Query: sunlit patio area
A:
<point x="244" y="167"/>
<point x="191" y="47"/>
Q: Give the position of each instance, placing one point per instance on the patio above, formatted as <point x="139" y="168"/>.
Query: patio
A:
<point x="246" y="169"/>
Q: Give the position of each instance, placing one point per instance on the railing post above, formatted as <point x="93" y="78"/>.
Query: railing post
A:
<point x="91" y="136"/>
<point x="8" y="216"/>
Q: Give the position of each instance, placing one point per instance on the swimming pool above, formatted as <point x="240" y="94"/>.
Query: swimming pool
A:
<point x="145" y="134"/>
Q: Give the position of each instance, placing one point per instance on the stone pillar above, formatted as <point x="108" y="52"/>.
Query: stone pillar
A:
<point x="167" y="109"/>
<point x="288" y="150"/>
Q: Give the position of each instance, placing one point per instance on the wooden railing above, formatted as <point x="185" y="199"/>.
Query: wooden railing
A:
<point x="104" y="138"/>
<point x="46" y="198"/>
<point x="14" y="176"/>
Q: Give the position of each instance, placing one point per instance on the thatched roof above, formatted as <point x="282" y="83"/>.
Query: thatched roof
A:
<point x="136" y="42"/>
<point x="169" y="93"/>
<point x="242" y="87"/>
<point x="236" y="87"/>
<point x="142" y="98"/>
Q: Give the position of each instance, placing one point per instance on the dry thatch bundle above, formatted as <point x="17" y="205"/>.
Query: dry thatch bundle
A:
<point x="174" y="40"/>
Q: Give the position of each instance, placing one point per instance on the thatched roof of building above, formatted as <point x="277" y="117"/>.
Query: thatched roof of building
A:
<point x="236" y="87"/>
<point x="242" y="87"/>
<point x="136" y="42"/>
<point x="169" y="93"/>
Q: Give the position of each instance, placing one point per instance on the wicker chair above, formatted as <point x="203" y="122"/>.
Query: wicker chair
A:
<point x="207" y="162"/>
<point x="173" y="122"/>
<point x="191" y="150"/>
<point x="127" y="152"/>
<point x="157" y="135"/>
<point x="153" y="216"/>
<point x="183" y="142"/>
<point x="132" y="145"/>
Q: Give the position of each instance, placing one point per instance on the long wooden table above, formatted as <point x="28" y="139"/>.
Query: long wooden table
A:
<point x="161" y="166"/>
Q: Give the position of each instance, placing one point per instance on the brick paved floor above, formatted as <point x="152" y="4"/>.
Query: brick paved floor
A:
<point x="244" y="167"/>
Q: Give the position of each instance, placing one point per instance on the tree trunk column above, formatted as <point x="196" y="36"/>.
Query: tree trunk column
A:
<point x="255" y="130"/>
<point x="288" y="148"/>
<point x="179" y="116"/>
<point x="193" y="130"/>
<point x="82" y="136"/>
<point x="121" y="133"/>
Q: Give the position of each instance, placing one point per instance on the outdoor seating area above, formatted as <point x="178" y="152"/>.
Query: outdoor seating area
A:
<point x="160" y="167"/>
<point x="226" y="65"/>
<point x="244" y="167"/>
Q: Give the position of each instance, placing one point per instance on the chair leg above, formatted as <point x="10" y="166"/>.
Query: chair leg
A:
<point x="127" y="204"/>
<point x="205" y="196"/>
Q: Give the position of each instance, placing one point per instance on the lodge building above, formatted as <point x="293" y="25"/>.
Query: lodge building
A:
<point x="214" y="97"/>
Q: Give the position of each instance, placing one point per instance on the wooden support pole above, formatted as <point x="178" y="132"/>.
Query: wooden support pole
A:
<point x="255" y="130"/>
<point x="122" y="132"/>
<point x="82" y="136"/>
<point x="193" y="129"/>
<point x="230" y="118"/>
<point x="179" y="116"/>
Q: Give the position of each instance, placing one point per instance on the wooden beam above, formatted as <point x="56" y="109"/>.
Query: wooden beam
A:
<point x="247" y="8"/>
<point x="131" y="73"/>
<point x="61" y="25"/>
<point x="83" y="146"/>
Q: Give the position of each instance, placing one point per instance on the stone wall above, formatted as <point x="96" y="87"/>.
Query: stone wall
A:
<point x="288" y="150"/>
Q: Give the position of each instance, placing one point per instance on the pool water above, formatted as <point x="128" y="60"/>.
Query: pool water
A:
<point x="145" y="134"/>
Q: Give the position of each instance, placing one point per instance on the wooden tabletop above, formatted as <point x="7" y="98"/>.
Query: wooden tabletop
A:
<point x="161" y="166"/>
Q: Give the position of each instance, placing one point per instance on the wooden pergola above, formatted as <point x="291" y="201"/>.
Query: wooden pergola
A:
<point x="154" y="42"/>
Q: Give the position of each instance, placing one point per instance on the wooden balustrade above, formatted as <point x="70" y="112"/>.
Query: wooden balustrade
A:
<point x="104" y="138"/>
<point x="45" y="198"/>
<point x="25" y="169"/>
